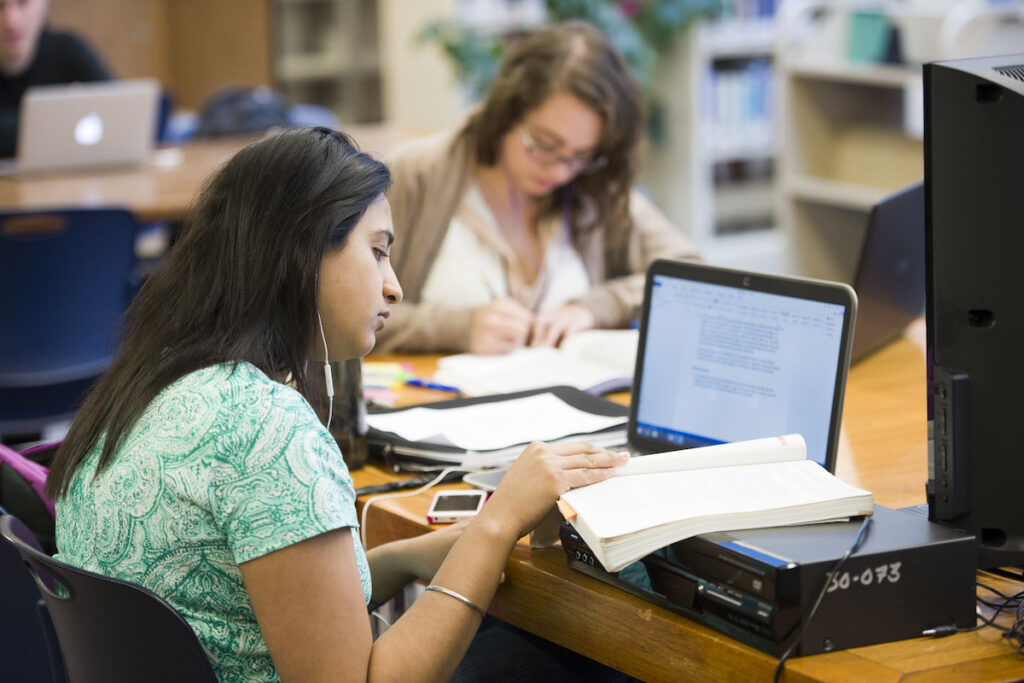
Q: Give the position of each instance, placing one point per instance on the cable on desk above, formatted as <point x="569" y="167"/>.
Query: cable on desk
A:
<point x="857" y="543"/>
<point x="403" y="484"/>
<point x="1015" y="632"/>
<point x="403" y="494"/>
<point x="1006" y="574"/>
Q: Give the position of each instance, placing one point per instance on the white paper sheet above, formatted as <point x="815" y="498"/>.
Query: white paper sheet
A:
<point x="498" y="424"/>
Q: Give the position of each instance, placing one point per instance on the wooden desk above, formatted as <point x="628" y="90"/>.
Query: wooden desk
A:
<point x="883" y="448"/>
<point x="160" y="190"/>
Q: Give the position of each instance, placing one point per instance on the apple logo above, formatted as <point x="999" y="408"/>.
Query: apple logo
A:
<point x="89" y="129"/>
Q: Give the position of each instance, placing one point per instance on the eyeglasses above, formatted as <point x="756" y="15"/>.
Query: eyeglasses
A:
<point x="546" y="155"/>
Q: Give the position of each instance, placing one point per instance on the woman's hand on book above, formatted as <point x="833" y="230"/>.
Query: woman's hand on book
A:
<point x="543" y="473"/>
<point x="550" y="328"/>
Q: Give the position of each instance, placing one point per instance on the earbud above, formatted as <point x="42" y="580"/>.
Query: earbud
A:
<point x="329" y="380"/>
<point x="328" y="375"/>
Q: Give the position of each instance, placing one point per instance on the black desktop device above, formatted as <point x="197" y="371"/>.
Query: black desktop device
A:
<point x="974" y="245"/>
<point x="758" y="585"/>
<point x="890" y="272"/>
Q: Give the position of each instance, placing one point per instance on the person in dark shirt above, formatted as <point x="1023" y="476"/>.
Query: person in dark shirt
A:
<point x="31" y="54"/>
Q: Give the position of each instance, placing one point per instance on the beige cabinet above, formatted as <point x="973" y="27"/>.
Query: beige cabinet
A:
<point x="194" y="47"/>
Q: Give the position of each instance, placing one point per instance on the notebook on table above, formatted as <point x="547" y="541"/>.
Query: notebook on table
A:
<point x="728" y="355"/>
<point x="85" y="125"/>
<point x="890" y="281"/>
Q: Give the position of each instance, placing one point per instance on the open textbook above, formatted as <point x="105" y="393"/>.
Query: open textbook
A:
<point x="596" y="361"/>
<point x="655" y="500"/>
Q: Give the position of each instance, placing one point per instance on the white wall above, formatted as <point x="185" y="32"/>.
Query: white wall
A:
<point x="420" y="91"/>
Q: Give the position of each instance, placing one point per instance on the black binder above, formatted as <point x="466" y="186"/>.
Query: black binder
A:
<point x="404" y="455"/>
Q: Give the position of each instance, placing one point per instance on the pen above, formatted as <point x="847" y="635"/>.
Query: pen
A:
<point x="491" y="292"/>
<point x="427" y="384"/>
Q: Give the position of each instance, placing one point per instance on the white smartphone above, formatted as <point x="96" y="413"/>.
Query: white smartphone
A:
<point x="451" y="506"/>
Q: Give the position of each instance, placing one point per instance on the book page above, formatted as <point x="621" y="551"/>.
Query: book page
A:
<point x="773" y="449"/>
<point x="613" y="349"/>
<point x="625" y="505"/>
<point x="493" y="425"/>
<point x="527" y="368"/>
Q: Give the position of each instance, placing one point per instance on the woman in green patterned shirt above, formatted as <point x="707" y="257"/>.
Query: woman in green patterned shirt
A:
<point x="197" y="468"/>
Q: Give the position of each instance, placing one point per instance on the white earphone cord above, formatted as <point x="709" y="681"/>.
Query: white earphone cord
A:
<point x="328" y="375"/>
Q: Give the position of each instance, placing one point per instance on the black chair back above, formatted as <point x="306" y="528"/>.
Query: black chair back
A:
<point x="28" y="645"/>
<point x="108" y="629"/>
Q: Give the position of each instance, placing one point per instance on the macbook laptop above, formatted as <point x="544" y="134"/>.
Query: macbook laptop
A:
<point x="729" y="355"/>
<point x="86" y="125"/>
<point x="890" y="274"/>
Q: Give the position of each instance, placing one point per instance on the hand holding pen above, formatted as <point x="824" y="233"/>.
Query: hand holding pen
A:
<point x="505" y="324"/>
<point x="551" y="327"/>
<point x="499" y="327"/>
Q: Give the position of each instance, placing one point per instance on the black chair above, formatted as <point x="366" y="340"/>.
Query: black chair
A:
<point x="28" y="646"/>
<point x="108" y="629"/>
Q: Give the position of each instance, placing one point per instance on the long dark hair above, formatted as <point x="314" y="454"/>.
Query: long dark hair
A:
<point x="239" y="285"/>
<point x="577" y="58"/>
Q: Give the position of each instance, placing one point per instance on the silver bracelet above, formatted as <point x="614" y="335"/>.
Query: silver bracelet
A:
<point x="457" y="596"/>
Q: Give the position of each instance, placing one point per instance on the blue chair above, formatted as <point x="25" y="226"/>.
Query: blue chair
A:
<point x="65" y="279"/>
<point x="108" y="629"/>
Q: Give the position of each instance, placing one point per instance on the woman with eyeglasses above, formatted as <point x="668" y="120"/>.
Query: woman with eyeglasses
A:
<point x="521" y="226"/>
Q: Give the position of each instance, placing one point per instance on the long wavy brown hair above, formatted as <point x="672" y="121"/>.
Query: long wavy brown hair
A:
<point x="575" y="58"/>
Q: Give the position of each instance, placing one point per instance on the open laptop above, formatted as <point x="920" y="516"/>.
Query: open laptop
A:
<point x="729" y="355"/>
<point x="890" y="280"/>
<point x="86" y="125"/>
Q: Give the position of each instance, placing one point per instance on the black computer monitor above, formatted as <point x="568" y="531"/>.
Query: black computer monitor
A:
<point x="974" y="216"/>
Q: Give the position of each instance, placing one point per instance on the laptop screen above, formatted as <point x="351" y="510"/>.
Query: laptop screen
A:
<point x="727" y="356"/>
<point x="87" y="125"/>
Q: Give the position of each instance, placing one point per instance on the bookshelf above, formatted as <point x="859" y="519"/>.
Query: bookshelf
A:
<point x="852" y="130"/>
<point x="327" y="52"/>
<point x="851" y="134"/>
<point x="714" y="171"/>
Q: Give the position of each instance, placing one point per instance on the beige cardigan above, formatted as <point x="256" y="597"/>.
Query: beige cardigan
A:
<point x="430" y="176"/>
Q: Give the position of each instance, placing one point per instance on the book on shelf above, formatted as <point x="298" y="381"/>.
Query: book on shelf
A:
<point x="655" y="500"/>
<point x="595" y="361"/>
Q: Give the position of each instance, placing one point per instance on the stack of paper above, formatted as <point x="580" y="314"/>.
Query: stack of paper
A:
<point x="494" y="432"/>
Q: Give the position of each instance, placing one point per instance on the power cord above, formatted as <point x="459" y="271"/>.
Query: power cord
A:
<point x="857" y="543"/>
<point x="404" y="494"/>
<point x="1014" y="633"/>
<point x="376" y="614"/>
<point x="1007" y="574"/>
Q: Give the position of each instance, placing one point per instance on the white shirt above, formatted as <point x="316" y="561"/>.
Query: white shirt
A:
<point x="472" y="265"/>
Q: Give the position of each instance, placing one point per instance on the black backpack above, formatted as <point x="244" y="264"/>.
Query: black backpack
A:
<point x="242" y="111"/>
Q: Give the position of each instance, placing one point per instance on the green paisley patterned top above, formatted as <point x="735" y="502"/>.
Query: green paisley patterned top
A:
<point x="224" y="466"/>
